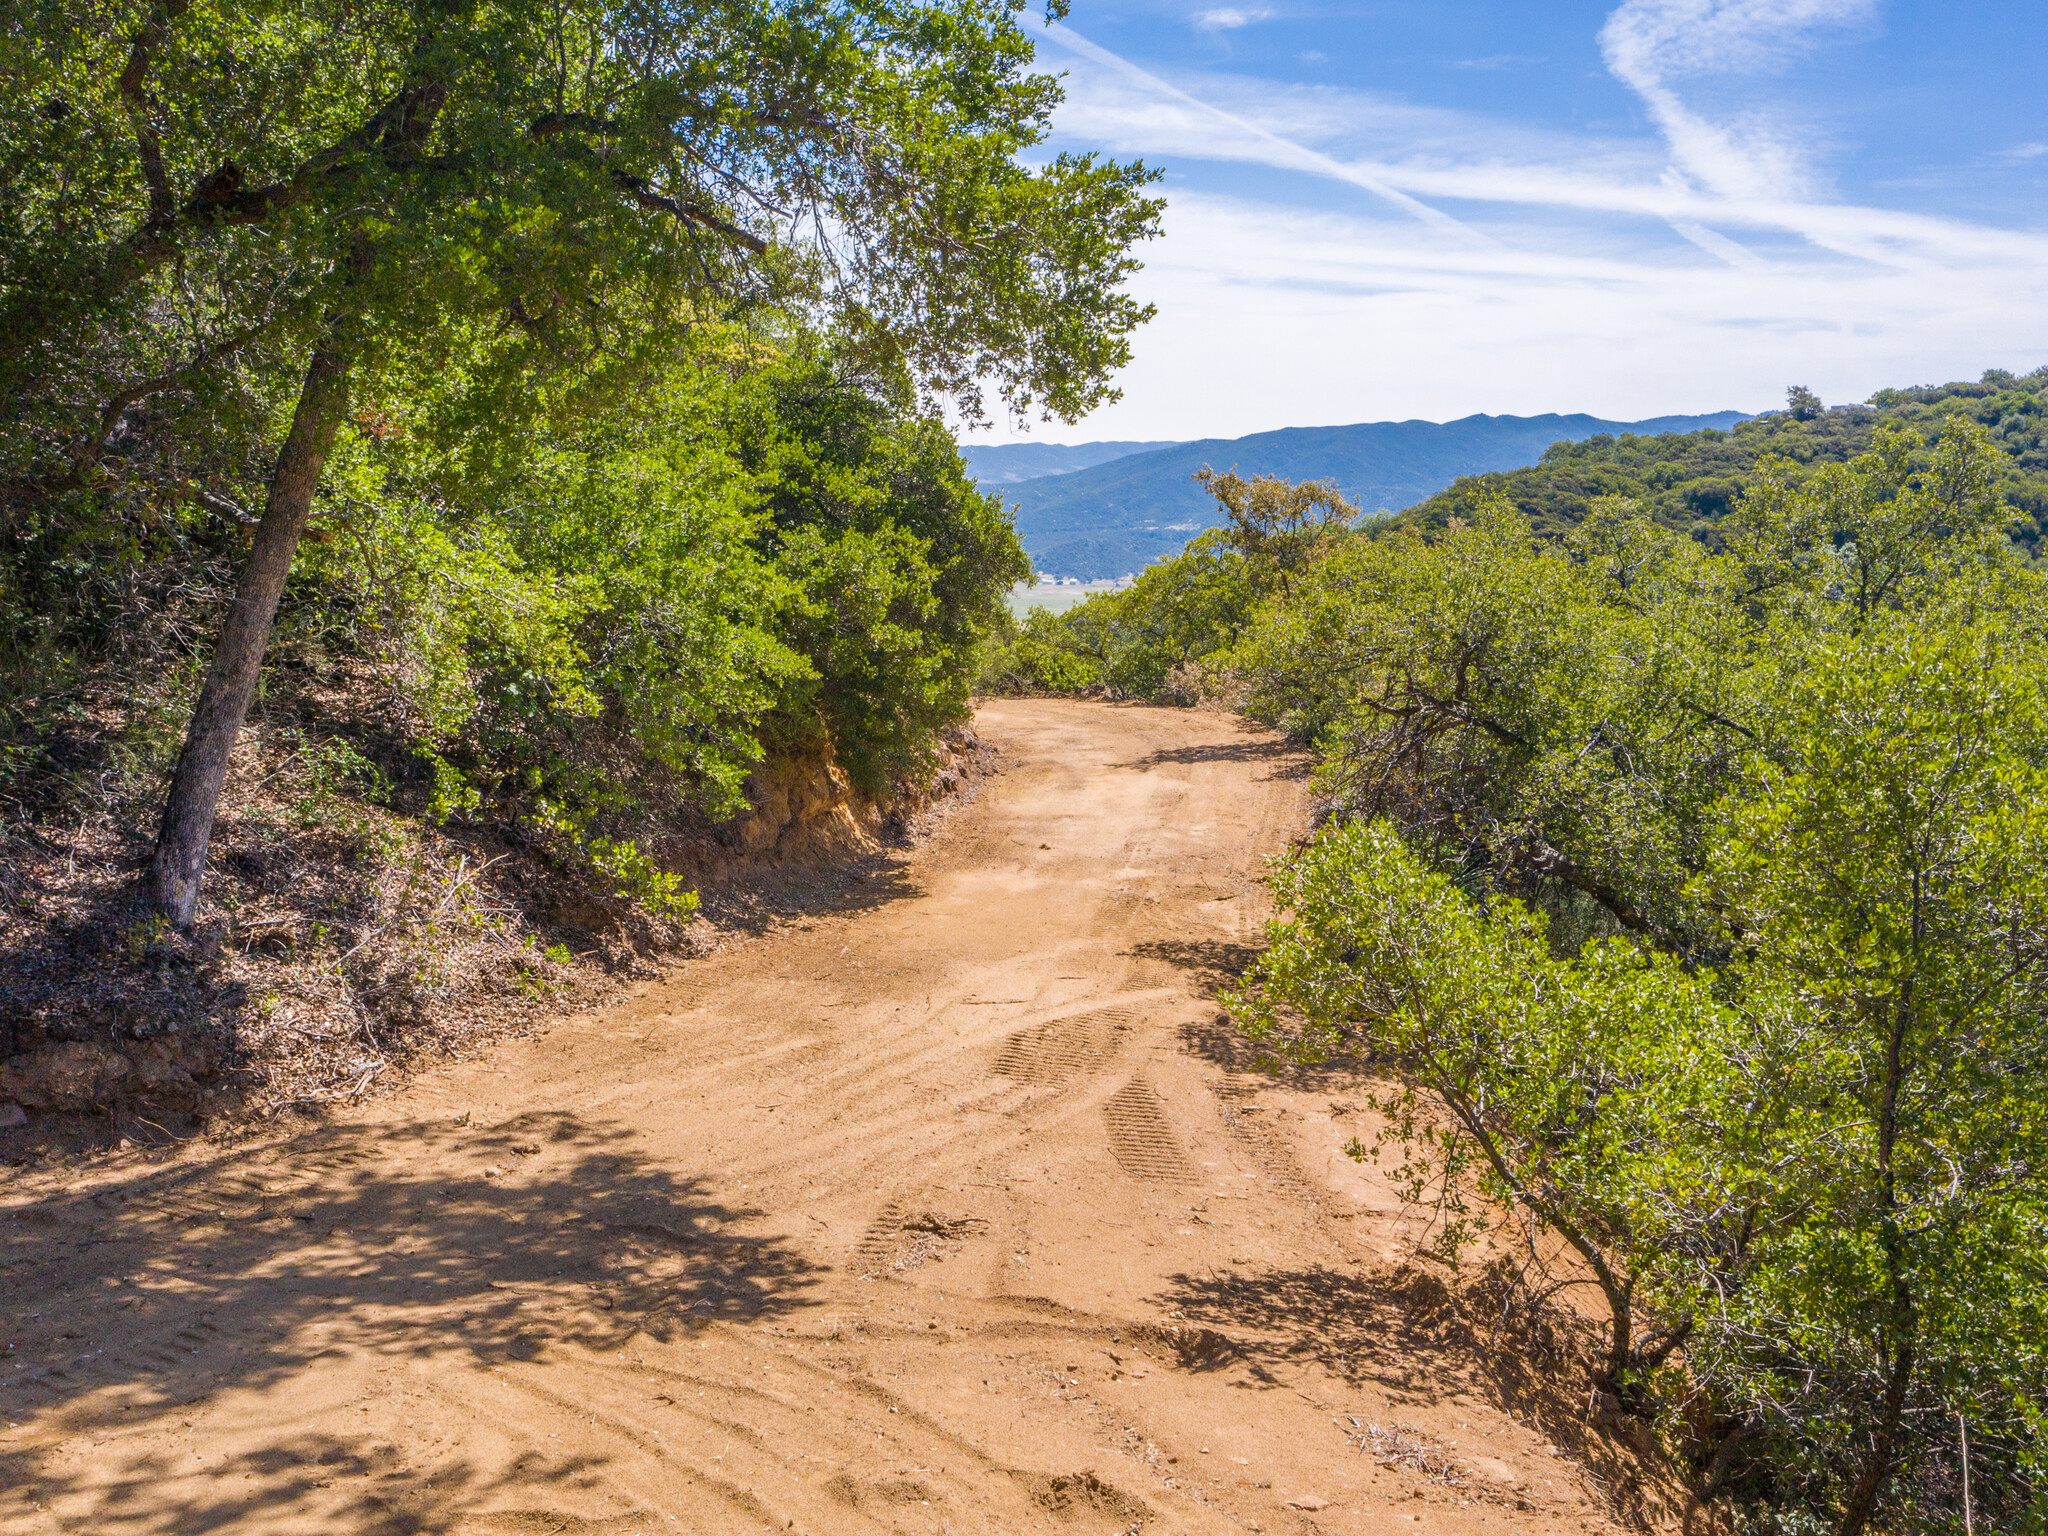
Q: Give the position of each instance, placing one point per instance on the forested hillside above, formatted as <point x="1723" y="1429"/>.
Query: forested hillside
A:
<point x="527" y="419"/>
<point x="1691" y="480"/>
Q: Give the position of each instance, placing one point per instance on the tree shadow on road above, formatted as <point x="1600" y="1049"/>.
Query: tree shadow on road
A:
<point x="1411" y="1337"/>
<point x="1291" y="761"/>
<point x="1212" y="963"/>
<point x="164" y="1493"/>
<point x="848" y="885"/>
<point x="1216" y="1037"/>
<point x="164" y="1287"/>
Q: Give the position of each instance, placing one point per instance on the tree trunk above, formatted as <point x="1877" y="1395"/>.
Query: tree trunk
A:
<point x="238" y="657"/>
<point x="1722" y="1464"/>
<point x="1621" y="1344"/>
<point x="1903" y="1324"/>
<point x="1877" y="1467"/>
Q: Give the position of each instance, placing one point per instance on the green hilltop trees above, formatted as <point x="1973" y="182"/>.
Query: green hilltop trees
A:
<point x="1151" y="640"/>
<point x="452" y="275"/>
<point x="1691" y="481"/>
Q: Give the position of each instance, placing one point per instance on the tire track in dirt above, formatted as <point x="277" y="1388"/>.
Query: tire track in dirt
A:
<point x="1141" y="1138"/>
<point x="1060" y="1048"/>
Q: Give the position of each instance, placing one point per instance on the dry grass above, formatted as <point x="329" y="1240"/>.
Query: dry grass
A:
<point x="339" y="943"/>
<point x="1404" y="1445"/>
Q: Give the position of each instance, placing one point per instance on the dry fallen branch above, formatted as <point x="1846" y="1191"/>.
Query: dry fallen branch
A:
<point x="1403" y="1445"/>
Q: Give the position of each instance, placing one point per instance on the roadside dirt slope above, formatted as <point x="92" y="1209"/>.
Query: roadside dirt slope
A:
<point x="956" y="1210"/>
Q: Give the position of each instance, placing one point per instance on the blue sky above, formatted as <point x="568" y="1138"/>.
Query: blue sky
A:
<point x="1429" y="209"/>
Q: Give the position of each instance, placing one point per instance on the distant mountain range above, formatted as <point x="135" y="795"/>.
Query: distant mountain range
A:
<point x="1136" y="502"/>
<point x="1008" y="463"/>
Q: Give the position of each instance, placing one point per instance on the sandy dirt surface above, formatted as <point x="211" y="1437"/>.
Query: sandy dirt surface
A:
<point x="958" y="1208"/>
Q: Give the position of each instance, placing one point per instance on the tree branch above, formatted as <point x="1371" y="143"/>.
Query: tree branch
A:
<point x="141" y="56"/>
<point x="637" y="188"/>
<point x="88" y="448"/>
<point x="1553" y="861"/>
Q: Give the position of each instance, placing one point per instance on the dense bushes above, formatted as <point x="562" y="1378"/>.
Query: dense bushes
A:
<point x="1154" y="639"/>
<point x="607" y="610"/>
<point x="1689" y="891"/>
<point x="1697" y="901"/>
<point x="1144" y="642"/>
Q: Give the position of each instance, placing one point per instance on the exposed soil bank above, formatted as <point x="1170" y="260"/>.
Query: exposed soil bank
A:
<point x="341" y="945"/>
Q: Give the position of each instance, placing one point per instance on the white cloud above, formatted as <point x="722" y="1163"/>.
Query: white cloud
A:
<point x="1715" y="243"/>
<point x="1673" y="39"/>
<point x="1272" y="317"/>
<point x="1228" y="18"/>
<point x="1166" y="110"/>
<point x="1498" y="268"/>
<point x="1650" y="44"/>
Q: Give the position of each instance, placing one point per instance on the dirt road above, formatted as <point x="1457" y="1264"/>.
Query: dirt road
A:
<point x="958" y="1209"/>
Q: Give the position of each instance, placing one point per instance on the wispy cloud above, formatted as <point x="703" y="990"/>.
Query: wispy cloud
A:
<point x="1650" y="45"/>
<point x="1274" y="316"/>
<point x="1453" y="157"/>
<point x="1495" y="61"/>
<point x="1676" y="39"/>
<point x="1493" y="266"/>
<point x="1228" y="18"/>
<point x="1203" y="122"/>
<point x="1714" y="243"/>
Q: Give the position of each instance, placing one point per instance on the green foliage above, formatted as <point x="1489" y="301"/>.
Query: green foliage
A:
<point x="646" y="316"/>
<point x="452" y="795"/>
<point x="618" y="863"/>
<point x="596" y="571"/>
<point x="1153" y="639"/>
<point x="145" y="936"/>
<point x="1696" y="898"/>
<point x="900" y="564"/>
<point x="1884" y="871"/>
<point x="1549" y="1078"/>
<point x="1557" y="718"/>
<point x="1038" y="657"/>
<point x="583" y="170"/>
<point x="1553" y="719"/>
<point x="636" y="877"/>
<point x="1689" y="482"/>
<point x="1280" y="528"/>
<point x="1177" y="615"/>
<point x="654" y="579"/>
<point x="326" y="773"/>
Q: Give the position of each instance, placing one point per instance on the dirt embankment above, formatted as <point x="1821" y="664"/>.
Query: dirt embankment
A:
<point x="950" y="1206"/>
<point x="342" y="944"/>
